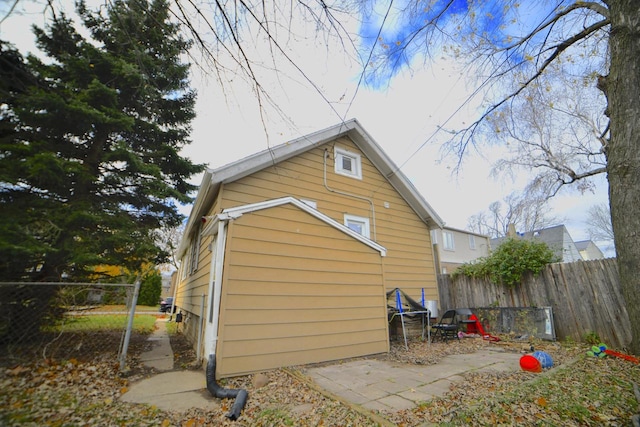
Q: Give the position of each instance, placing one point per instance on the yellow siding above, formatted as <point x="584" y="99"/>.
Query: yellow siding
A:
<point x="289" y="296"/>
<point x="248" y="364"/>
<point x="296" y="290"/>
<point x="409" y="263"/>
<point x="191" y="289"/>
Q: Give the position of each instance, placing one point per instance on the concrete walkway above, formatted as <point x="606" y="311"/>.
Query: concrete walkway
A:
<point x="380" y="385"/>
<point x="160" y="356"/>
<point x="371" y="383"/>
<point x="169" y="390"/>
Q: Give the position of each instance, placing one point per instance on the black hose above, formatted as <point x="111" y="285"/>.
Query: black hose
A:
<point x="240" y="395"/>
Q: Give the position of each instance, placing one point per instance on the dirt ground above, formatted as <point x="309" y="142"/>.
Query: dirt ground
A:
<point x="74" y="392"/>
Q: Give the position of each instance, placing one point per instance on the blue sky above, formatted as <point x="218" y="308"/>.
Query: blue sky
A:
<point x="403" y="112"/>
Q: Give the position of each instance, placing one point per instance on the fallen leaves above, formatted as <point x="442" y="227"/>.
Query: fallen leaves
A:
<point x="541" y="401"/>
<point x="77" y="393"/>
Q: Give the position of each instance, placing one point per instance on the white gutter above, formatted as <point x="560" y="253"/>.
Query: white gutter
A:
<point x="215" y="285"/>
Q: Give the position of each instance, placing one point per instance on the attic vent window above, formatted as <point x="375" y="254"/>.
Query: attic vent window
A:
<point x="348" y="163"/>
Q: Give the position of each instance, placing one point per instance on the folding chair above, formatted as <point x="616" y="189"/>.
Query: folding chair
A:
<point x="447" y="327"/>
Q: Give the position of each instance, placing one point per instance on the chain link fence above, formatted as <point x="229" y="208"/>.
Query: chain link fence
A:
<point x="62" y="321"/>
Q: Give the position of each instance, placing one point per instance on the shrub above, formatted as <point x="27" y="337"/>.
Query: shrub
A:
<point x="509" y="262"/>
<point x="150" y="288"/>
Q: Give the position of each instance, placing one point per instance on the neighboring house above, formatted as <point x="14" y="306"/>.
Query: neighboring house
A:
<point x="557" y="238"/>
<point x="457" y="247"/>
<point x="589" y="250"/>
<point x="287" y="254"/>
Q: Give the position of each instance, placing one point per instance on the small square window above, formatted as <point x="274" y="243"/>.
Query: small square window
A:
<point x="348" y="163"/>
<point x="358" y="224"/>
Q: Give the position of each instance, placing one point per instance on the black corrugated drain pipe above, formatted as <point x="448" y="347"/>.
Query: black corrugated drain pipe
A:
<point x="225" y="393"/>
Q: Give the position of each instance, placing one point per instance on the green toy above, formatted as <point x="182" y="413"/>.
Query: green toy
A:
<point x="598" y="351"/>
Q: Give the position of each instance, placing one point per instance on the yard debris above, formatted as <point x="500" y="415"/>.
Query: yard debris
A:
<point x="592" y="391"/>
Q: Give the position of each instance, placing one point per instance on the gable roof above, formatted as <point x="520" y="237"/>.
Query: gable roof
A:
<point x="592" y="250"/>
<point x="584" y="244"/>
<point x="231" y="172"/>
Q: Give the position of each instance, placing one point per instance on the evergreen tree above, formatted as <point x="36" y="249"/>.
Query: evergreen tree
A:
<point x="90" y="141"/>
<point x="150" y="288"/>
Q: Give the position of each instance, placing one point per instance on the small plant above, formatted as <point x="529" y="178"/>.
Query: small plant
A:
<point x="591" y="337"/>
<point x="275" y="416"/>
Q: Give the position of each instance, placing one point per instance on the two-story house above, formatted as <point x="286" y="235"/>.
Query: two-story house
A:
<point x="288" y="253"/>
<point x="456" y="247"/>
<point x="559" y="241"/>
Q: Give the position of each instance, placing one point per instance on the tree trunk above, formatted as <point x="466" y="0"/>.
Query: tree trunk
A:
<point x="622" y="88"/>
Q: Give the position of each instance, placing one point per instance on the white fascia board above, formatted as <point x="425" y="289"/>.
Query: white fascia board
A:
<point x="210" y="225"/>
<point x="351" y="128"/>
<point x="236" y="212"/>
<point x="258" y="161"/>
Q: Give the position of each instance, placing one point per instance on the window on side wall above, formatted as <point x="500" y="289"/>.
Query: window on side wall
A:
<point x="183" y="268"/>
<point x="194" y="251"/>
<point x="472" y="242"/>
<point x="348" y="163"/>
<point x="358" y="224"/>
<point x="449" y="244"/>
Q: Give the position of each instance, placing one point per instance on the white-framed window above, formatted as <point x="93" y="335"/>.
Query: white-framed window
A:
<point x="472" y="242"/>
<point x="434" y="237"/>
<point x="449" y="244"/>
<point x="183" y="268"/>
<point x="194" y="250"/>
<point x="348" y="163"/>
<point x="358" y="224"/>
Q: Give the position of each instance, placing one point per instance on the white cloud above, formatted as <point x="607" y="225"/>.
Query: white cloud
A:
<point x="401" y="118"/>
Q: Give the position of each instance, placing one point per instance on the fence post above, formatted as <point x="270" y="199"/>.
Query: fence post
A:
<point x="127" y="336"/>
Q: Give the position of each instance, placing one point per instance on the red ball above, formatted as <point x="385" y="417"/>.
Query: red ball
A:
<point x="530" y="364"/>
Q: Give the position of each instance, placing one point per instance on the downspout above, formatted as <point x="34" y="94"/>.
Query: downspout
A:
<point x="200" y="327"/>
<point x="225" y="393"/>
<point x="215" y="283"/>
<point x="215" y="289"/>
<point x="366" y="199"/>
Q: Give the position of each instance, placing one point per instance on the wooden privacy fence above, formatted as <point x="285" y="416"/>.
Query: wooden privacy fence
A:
<point x="585" y="297"/>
